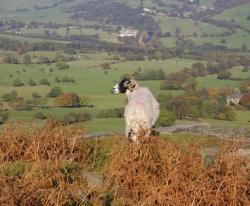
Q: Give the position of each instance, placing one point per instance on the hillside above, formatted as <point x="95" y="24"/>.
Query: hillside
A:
<point x="80" y="47"/>
<point x="61" y="128"/>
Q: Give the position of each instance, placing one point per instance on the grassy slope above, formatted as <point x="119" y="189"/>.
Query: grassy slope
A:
<point x="207" y="2"/>
<point x="29" y="39"/>
<point x="90" y="81"/>
<point x="234" y="41"/>
<point x="211" y="81"/>
<point x="24" y="4"/>
<point x="238" y="14"/>
<point x="242" y="121"/>
<point x="187" y="26"/>
<point x="237" y="72"/>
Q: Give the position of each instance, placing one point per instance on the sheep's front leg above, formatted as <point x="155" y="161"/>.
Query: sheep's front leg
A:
<point x="130" y="133"/>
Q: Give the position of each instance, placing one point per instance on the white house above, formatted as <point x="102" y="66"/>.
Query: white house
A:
<point x="127" y="32"/>
<point x="234" y="98"/>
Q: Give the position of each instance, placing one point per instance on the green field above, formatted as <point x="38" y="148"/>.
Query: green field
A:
<point x="29" y="39"/>
<point x="238" y="15"/>
<point x="211" y="81"/>
<point x="187" y="26"/>
<point x="195" y="30"/>
<point x="234" y="41"/>
<point x="242" y="121"/>
<point x="90" y="81"/>
<point x="103" y="35"/>
<point x="93" y="81"/>
<point x="208" y="3"/>
<point x="90" y="78"/>
<point x="237" y="73"/>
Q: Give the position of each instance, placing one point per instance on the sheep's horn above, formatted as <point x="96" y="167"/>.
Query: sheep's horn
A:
<point x="132" y="85"/>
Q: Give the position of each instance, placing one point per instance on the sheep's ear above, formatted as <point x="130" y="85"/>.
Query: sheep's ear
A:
<point x="132" y="85"/>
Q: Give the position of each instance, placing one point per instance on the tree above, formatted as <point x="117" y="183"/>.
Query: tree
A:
<point x="43" y="60"/>
<point x="40" y="102"/>
<point x="223" y="112"/>
<point x="61" y="65"/>
<point x="10" y="59"/>
<point x="20" y="104"/>
<point x="84" y="101"/>
<point x="149" y="75"/>
<point x="244" y="48"/>
<point x="26" y="59"/>
<point x="105" y="66"/>
<point x="31" y="83"/>
<point x="3" y="117"/>
<point x="40" y="115"/>
<point x="44" y="82"/>
<point x="190" y="84"/>
<point x="57" y="79"/>
<point x="35" y="95"/>
<point x="223" y="41"/>
<point x="177" y="32"/>
<point x="245" y="86"/>
<point x="245" y="100"/>
<point x="72" y="117"/>
<point x="224" y="75"/>
<point x="9" y="96"/>
<point x="17" y="83"/>
<point x="47" y="33"/>
<point x="67" y="79"/>
<point x="55" y="92"/>
<point x="67" y="100"/>
<point x="166" y="118"/>
<point x="111" y="113"/>
<point x="246" y="69"/>
<point x="180" y="106"/>
<point x="169" y="85"/>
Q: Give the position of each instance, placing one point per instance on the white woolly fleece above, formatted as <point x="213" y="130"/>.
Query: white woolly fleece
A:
<point x="141" y="112"/>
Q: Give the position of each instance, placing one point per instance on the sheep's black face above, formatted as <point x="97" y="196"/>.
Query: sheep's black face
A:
<point x="124" y="86"/>
<point x="121" y="87"/>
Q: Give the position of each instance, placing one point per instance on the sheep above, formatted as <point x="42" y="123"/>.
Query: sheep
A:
<point x="141" y="111"/>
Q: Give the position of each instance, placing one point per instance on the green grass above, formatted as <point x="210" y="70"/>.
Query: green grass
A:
<point x="234" y="41"/>
<point x="90" y="78"/>
<point x="108" y="124"/>
<point x="46" y="15"/>
<point x="90" y="81"/>
<point x="103" y="35"/>
<point x="238" y="14"/>
<point x="187" y="26"/>
<point x="23" y="4"/>
<point x="242" y="121"/>
<point x="208" y="3"/>
<point x="169" y="41"/>
<point x="237" y="73"/>
<point x="30" y="39"/>
<point x="169" y="65"/>
<point x="211" y="81"/>
<point x="185" y="139"/>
